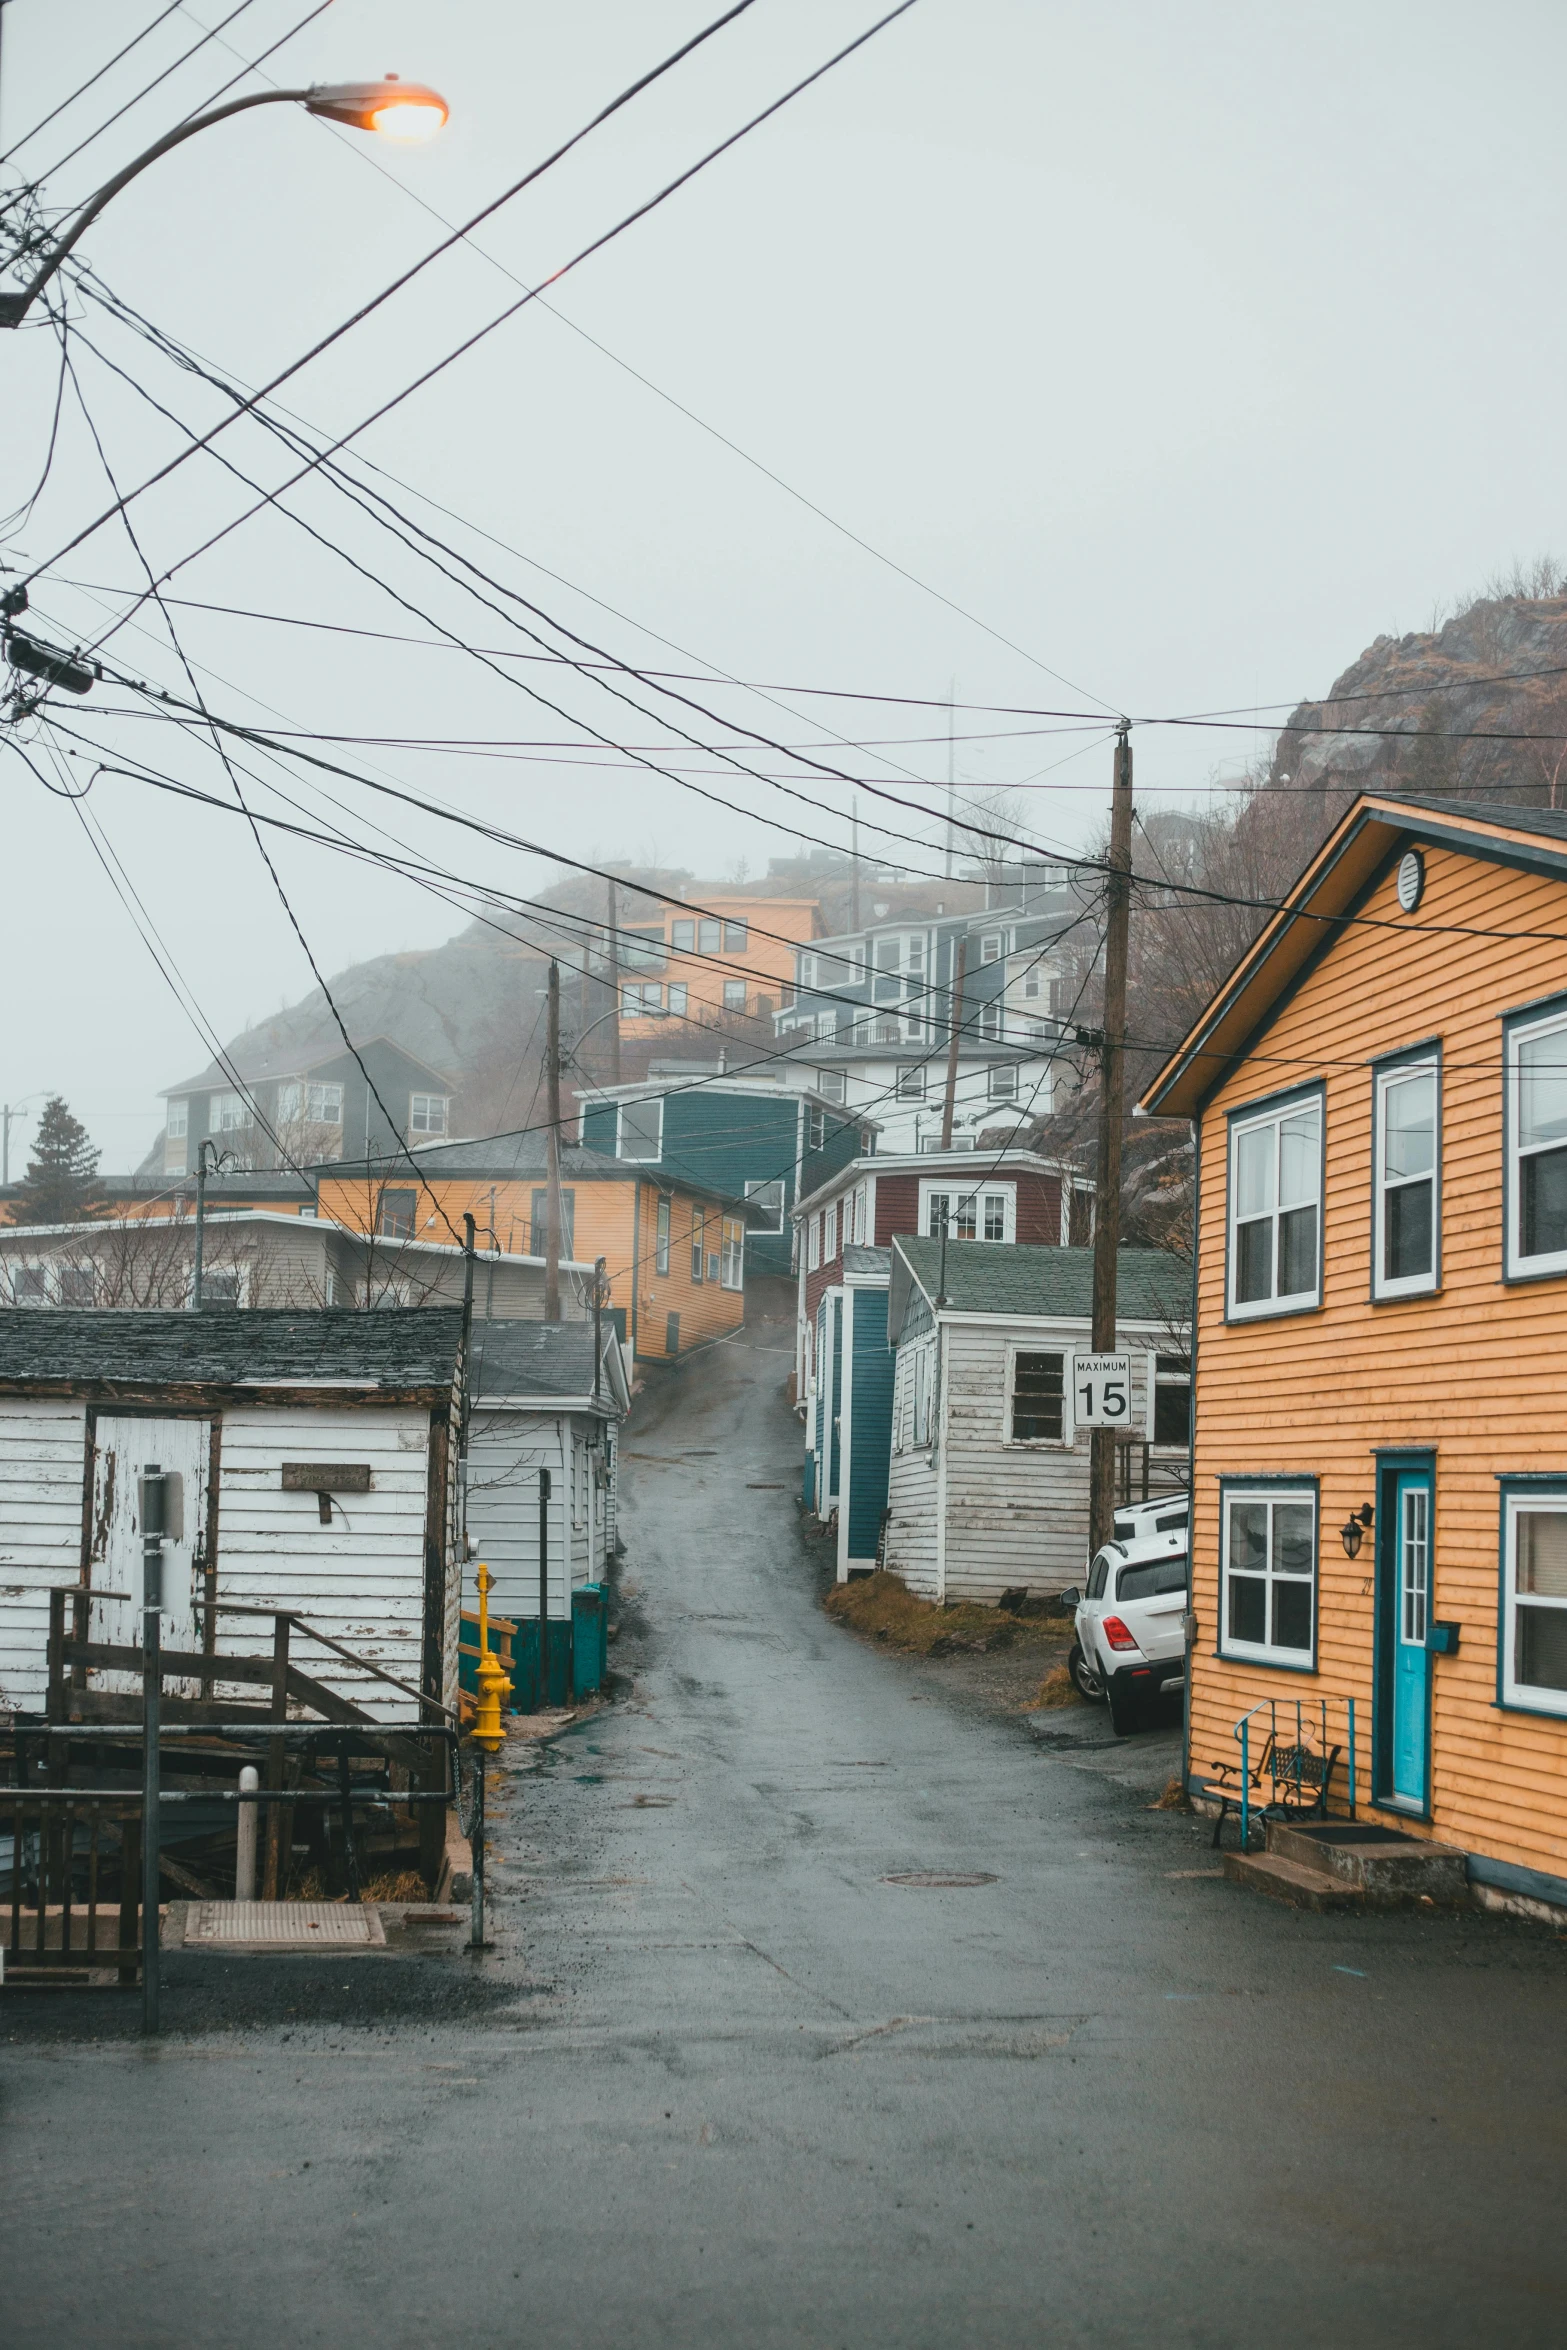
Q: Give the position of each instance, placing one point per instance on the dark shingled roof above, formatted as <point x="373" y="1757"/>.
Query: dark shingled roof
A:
<point x="227" y="1346"/>
<point x="533" y="1358"/>
<point x="986" y="1278"/>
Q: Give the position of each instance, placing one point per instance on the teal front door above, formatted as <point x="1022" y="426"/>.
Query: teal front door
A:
<point x="1411" y="1662"/>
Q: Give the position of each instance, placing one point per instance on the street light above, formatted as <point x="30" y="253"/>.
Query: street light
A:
<point x="395" y="109"/>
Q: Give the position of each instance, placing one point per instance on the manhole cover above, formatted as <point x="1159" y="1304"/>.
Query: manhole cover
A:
<point x="290" y="1925"/>
<point x="942" y="1880"/>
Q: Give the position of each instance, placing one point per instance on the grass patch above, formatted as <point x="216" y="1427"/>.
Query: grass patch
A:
<point x="1057" y="1688"/>
<point x="882" y="1607"/>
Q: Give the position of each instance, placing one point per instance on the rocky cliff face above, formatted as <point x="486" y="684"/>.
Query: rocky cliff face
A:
<point x="1429" y="712"/>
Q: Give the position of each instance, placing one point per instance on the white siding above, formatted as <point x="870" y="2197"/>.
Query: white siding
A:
<point x="361" y="1578"/>
<point x="42" y="1465"/>
<point x="506" y="1450"/>
<point x="1015" y="1514"/>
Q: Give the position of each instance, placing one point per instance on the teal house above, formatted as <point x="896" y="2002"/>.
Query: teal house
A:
<point x="849" y="1416"/>
<point x="755" y="1136"/>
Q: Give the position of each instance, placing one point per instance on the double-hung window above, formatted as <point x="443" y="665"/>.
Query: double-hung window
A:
<point x="1534" y="1599"/>
<point x="1276" y="1208"/>
<point x="1037" y="1398"/>
<point x="767" y="1196"/>
<point x="732" y="1273"/>
<point x="698" y="1243"/>
<point x="661" y="1235"/>
<point x="1406" y="1176"/>
<point x="830" y="1233"/>
<point x="1268" y="1606"/>
<point x="1537" y="1144"/>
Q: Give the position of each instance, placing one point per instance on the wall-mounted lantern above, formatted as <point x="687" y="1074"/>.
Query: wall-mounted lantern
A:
<point x="1352" y="1532"/>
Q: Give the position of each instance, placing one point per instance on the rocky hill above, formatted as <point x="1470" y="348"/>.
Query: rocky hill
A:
<point x="1477" y="707"/>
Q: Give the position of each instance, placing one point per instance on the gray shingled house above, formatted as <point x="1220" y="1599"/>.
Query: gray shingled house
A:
<point x="987" y="1487"/>
<point x="315" y="1454"/>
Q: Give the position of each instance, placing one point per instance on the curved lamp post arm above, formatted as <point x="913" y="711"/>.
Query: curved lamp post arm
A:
<point x="14" y="306"/>
<point x="363" y="105"/>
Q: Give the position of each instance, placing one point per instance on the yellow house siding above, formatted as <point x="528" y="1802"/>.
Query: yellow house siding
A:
<point x="1471" y="1373"/>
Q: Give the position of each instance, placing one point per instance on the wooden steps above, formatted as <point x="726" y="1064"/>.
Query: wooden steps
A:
<point x="1291" y="1881"/>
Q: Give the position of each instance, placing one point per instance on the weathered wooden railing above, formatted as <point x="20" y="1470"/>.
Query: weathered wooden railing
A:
<point x="73" y="1655"/>
<point x="57" y="1920"/>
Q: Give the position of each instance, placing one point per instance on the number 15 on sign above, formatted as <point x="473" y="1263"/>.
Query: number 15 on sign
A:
<point x="1102" y="1391"/>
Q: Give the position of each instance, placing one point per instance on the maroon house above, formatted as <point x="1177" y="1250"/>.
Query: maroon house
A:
<point x="1003" y="1196"/>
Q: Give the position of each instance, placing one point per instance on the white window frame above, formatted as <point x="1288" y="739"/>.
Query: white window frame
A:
<point x="1001" y="1081"/>
<point x="228" y="1113"/>
<point x="830" y="1083"/>
<point x="1275" y="1114"/>
<point x="1038" y="1346"/>
<point x="1518" y="1033"/>
<point x="737" y="936"/>
<point x="954" y="1188"/>
<point x="992" y="947"/>
<point x="677" y="944"/>
<point x="910" y="1082"/>
<point x="423" y="1108"/>
<point x="639" y="1158"/>
<point x="734" y="995"/>
<point x="815" y="1127"/>
<point x="662" y="1218"/>
<point x="1383" y="1284"/>
<point x="732" y="1270"/>
<point x="676" y="999"/>
<point x="830" y="1232"/>
<point x="177" y="1122"/>
<point x="1268" y="1651"/>
<point x="990" y="1021"/>
<point x="1528" y="1696"/>
<point x="753" y="1192"/>
<point x="813" y="1244"/>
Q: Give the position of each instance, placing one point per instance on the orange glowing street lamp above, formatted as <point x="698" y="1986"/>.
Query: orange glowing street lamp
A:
<point x="407" y="111"/>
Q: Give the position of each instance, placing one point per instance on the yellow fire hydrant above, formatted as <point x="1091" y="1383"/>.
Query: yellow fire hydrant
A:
<point x="492" y="1676"/>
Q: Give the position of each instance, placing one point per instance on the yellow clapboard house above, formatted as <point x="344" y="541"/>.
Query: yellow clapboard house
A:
<point x="1379" y="1514"/>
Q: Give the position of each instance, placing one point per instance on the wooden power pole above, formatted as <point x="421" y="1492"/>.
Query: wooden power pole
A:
<point x="552" y="1157"/>
<point x="955" y="1027"/>
<point x="612" y="924"/>
<point x="1112" y="1058"/>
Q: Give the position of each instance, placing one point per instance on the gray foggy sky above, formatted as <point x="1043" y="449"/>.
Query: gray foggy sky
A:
<point x="1190" y="348"/>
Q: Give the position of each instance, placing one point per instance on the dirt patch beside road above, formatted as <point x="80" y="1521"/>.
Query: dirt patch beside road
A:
<point x="995" y="1660"/>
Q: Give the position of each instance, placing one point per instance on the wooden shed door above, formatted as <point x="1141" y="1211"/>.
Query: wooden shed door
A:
<point x="122" y="1448"/>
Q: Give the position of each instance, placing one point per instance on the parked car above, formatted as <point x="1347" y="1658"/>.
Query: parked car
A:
<point x="1167" y="1513"/>
<point x="1130" y="1646"/>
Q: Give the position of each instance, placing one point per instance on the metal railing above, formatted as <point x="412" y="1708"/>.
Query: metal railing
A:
<point x="1297" y="1754"/>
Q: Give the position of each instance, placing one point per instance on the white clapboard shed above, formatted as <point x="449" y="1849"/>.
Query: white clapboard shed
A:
<point x="315" y="1455"/>
<point x="539" y="1402"/>
<point x="987" y="1487"/>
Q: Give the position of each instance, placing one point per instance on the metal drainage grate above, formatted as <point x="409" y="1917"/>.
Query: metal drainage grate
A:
<point x="942" y="1880"/>
<point x="291" y="1925"/>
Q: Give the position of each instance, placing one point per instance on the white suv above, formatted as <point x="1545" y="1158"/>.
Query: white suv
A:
<point x="1131" y="1643"/>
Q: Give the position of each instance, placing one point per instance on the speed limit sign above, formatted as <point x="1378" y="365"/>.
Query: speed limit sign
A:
<point x="1102" y="1391"/>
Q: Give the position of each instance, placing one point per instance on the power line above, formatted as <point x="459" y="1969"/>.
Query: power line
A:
<point x="92" y="79"/>
<point x="145" y="92"/>
<point x="406" y="277"/>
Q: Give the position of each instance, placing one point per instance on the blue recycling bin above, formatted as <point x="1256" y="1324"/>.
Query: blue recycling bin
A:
<point x="525" y="1666"/>
<point x="589" y="1639"/>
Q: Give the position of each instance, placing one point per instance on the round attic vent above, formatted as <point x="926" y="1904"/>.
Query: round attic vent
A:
<point x="1411" y="879"/>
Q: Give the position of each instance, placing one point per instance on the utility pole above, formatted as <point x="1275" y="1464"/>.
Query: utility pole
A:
<point x="1112" y="1055"/>
<point x="552" y="1157"/>
<point x="854" y="863"/>
<point x="612" y="919"/>
<point x="955" y="1024"/>
<point x="951" y="793"/>
<point x="5" y="1113"/>
<point x="153" y="1494"/>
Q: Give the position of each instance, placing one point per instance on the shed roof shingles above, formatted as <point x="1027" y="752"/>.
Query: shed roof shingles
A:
<point x="415" y="1347"/>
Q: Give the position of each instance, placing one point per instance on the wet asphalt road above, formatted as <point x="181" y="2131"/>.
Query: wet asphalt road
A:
<point x="722" y="2082"/>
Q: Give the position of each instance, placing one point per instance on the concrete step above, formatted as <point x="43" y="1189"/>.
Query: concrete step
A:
<point x="1291" y="1881"/>
<point x="1389" y="1868"/>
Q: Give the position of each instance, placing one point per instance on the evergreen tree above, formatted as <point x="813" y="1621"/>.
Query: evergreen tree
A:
<point x="60" y="1186"/>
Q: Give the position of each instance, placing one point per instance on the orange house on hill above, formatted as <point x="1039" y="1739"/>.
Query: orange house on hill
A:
<point x="674" y="1252"/>
<point x="1379" y="1468"/>
<point x="730" y="958"/>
